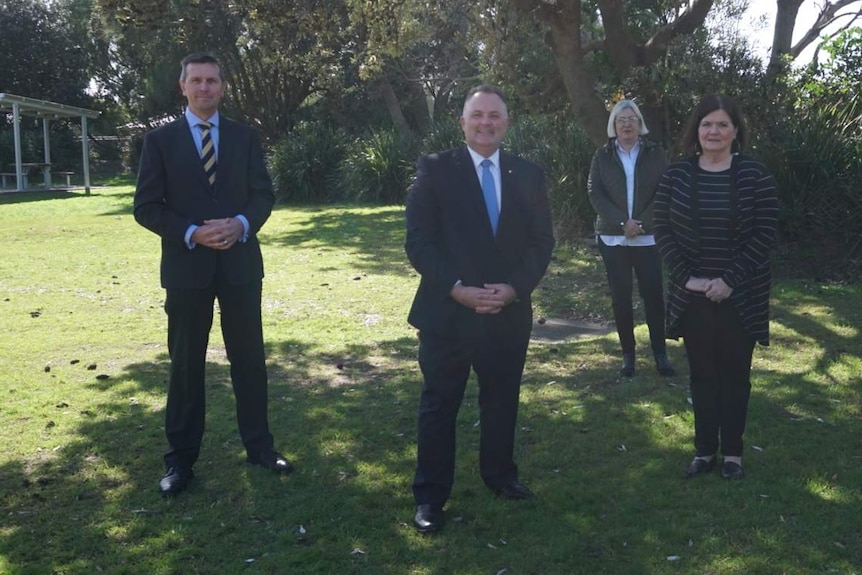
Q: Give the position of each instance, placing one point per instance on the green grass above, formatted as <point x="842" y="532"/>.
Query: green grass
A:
<point x="82" y="379"/>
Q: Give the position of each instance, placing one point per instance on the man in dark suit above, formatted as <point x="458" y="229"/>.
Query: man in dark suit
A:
<point x="479" y="233"/>
<point x="203" y="187"/>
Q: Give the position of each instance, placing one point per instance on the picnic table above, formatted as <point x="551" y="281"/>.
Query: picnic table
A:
<point x="31" y="170"/>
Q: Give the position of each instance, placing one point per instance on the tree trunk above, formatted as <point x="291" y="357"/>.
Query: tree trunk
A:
<point x="589" y="111"/>
<point x="393" y="105"/>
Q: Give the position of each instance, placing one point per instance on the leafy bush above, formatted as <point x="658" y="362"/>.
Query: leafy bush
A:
<point x="565" y="151"/>
<point x="304" y="165"/>
<point x="379" y="168"/>
<point x="443" y="135"/>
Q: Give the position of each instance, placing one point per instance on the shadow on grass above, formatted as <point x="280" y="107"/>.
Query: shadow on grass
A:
<point x="15" y="197"/>
<point x="610" y="497"/>
<point x="373" y="236"/>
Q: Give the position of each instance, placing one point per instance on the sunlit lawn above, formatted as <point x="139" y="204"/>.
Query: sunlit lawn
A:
<point x="83" y="367"/>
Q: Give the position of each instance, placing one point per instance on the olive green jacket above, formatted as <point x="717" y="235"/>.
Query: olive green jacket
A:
<point x="606" y="186"/>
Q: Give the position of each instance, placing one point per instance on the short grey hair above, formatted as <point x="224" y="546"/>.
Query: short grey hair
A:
<point x="621" y="106"/>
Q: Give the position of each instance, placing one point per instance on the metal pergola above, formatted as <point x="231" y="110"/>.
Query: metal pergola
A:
<point x="21" y="106"/>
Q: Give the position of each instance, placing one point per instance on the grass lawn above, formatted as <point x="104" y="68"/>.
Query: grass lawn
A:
<point x="82" y="380"/>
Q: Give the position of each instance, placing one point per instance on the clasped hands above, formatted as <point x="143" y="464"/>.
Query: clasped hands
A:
<point x="714" y="289"/>
<point x="218" y="234"/>
<point x="632" y="228"/>
<point x="491" y="298"/>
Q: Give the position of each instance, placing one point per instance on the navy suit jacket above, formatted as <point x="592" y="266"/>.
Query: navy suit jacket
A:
<point x="449" y="238"/>
<point x="173" y="193"/>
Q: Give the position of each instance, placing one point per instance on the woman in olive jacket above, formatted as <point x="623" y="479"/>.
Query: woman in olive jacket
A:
<point x="623" y="178"/>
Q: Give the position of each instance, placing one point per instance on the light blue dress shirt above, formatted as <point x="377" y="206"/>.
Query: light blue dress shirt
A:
<point x="197" y="136"/>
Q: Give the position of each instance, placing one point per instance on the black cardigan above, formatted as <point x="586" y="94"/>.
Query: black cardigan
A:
<point x="755" y="223"/>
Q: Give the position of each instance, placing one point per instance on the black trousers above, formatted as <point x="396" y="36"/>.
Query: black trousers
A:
<point x="646" y="263"/>
<point x="446" y="365"/>
<point x="719" y="358"/>
<point x="190" y="317"/>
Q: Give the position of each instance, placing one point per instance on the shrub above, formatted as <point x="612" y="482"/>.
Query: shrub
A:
<point x="443" y="135"/>
<point x="304" y="164"/>
<point x="565" y="152"/>
<point x="379" y="168"/>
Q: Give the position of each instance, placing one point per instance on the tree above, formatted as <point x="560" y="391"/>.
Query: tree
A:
<point x="41" y="55"/>
<point x="413" y="54"/>
<point x="629" y="35"/>
<point x="785" y="23"/>
<point x="275" y="54"/>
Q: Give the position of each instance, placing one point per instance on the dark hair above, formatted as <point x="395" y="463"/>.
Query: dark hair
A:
<point x="485" y="89"/>
<point x="690" y="142"/>
<point x="200" y="58"/>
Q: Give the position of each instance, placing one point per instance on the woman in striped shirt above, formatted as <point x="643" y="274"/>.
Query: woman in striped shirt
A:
<point x="716" y="215"/>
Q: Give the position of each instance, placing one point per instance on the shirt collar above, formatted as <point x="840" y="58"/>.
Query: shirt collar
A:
<point x="635" y="149"/>
<point x="193" y="120"/>
<point x="477" y="158"/>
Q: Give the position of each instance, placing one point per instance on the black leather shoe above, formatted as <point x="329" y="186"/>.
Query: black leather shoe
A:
<point x="663" y="365"/>
<point x="628" y="367"/>
<point x="176" y="479"/>
<point x="698" y="466"/>
<point x="271" y="460"/>
<point x="513" y="490"/>
<point x="428" y="518"/>
<point x="731" y="470"/>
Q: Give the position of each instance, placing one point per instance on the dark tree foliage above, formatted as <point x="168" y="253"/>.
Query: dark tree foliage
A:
<point x="41" y="53"/>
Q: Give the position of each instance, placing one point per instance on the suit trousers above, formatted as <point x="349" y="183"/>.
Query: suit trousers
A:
<point x="646" y="263"/>
<point x="190" y="317"/>
<point x="446" y="364"/>
<point x="719" y="357"/>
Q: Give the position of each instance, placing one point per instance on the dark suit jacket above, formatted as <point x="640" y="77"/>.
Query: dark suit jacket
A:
<point x="173" y="193"/>
<point x="449" y="238"/>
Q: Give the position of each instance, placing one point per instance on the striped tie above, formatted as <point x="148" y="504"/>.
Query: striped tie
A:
<point x="208" y="152"/>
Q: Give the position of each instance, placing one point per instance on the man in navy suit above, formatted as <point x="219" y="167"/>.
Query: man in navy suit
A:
<point x="207" y="209"/>
<point x="479" y="233"/>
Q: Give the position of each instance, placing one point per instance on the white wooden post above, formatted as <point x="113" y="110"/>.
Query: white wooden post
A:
<point x="46" y="140"/>
<point x="85" y="146"/>
<point x="16" y="127"/>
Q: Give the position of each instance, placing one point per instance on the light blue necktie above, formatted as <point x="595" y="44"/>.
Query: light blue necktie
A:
<point x="489" y="190"/>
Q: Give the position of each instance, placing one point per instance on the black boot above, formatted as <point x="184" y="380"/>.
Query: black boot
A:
<point x="662" y="364"/>
<point x="628" y="367"/>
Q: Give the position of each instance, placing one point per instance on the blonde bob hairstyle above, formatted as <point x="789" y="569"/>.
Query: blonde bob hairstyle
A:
<point x="620" y="107"/>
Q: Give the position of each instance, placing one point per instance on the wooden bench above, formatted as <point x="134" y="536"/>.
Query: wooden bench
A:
<point x="14" y="177"/>
<point x="67" y="175"/>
